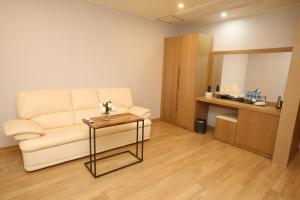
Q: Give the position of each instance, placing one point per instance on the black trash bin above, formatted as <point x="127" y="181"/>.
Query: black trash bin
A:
<point x="200" y="126"/>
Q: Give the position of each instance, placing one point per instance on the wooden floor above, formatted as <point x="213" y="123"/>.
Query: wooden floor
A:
<point x="178" y="164"/>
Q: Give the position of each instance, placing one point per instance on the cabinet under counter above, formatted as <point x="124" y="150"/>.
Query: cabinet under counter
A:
<point x="256" y="125"/>
<point x="256" y="131"/>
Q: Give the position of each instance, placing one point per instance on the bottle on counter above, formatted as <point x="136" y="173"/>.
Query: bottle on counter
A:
<point x="208" y="93"/>
<point x="217" y="92"/>
<point x="279" y="102"/>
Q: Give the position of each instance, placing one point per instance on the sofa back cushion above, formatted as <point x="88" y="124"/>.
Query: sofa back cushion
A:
<point x="59" y="108"/>
<point x="85" y="104"/>
<point x="32" y="104"/>
<point x="118" y="96"/>
<point x="84" y="98"/>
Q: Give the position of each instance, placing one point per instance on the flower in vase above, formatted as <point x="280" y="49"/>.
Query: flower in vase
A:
<point x="102" y="109"/>
<point x="106" y="107"/>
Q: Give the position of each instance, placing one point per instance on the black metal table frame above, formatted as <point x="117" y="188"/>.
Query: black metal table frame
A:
<point x="93" y="153"/>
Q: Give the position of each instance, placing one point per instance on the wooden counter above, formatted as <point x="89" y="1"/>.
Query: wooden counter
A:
<point x="234" y="104"/>
<point x="256" y="128"/>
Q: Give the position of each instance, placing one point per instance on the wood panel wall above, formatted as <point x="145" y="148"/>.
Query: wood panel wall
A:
<point x="287" y="128"/>
<point x="296" y="138"/>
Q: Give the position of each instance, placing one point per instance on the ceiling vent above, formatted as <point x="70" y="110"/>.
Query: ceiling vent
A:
<point x="170" y="19"/>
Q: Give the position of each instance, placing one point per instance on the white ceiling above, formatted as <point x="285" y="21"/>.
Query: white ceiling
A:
<point x="195" y="11"/>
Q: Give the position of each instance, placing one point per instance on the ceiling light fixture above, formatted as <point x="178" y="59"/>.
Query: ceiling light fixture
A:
<point x="223" y="14"/>
<point x="180" y="5"/>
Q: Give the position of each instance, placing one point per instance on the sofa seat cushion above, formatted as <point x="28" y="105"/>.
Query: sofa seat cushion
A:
<point x="55" y="120"/>
<point x="86" y="113"/>
<point x="26" y="136"/>
<point x="64" y="135"/>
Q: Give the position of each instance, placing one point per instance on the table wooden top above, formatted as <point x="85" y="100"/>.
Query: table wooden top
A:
<point x="235" y="104"/>
<point x="114" y="120"/>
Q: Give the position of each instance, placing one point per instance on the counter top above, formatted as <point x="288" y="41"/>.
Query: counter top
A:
<point x="234" y="104"/>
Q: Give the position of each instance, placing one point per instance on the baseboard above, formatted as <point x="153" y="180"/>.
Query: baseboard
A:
<point x="155" y="119"/>
<point x="9" y="148"/>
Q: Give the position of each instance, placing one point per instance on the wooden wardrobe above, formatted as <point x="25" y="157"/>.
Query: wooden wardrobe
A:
<point x="185" y="76"/>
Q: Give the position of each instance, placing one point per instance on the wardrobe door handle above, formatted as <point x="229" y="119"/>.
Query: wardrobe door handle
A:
<point x="178" y="77"/>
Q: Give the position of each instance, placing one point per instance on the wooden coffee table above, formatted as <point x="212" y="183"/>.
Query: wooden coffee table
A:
<point x="114" y="120"/>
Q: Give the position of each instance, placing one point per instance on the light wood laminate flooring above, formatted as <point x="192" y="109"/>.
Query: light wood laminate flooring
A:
<point x="178" y="164"/>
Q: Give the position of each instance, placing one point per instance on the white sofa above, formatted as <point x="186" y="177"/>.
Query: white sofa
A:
<point x="50" y="129"/>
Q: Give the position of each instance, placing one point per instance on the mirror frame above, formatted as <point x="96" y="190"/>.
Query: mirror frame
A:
<point x="246" y="51"/>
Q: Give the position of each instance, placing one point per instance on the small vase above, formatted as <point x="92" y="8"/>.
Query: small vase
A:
<point x="208" y="94"/>
<point x="106" y="117"/>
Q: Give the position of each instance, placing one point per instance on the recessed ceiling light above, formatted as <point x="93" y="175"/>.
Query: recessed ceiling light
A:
<point x="223" y="14"/>
<point x="180" y="5"/>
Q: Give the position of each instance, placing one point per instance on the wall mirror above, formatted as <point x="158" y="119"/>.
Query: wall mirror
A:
<point x="263" y="69"/>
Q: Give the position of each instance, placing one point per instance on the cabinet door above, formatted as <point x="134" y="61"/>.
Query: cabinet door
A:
<point x="170" y="79"/>
<point x="187" y="80"/>
<point x="257" y="131"/>
<point x="225" y="130"/>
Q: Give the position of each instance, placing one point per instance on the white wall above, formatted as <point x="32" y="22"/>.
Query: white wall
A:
<point x="74" y="44"/>
<point x="234" y="70"/>
<point x="270" y="30"/>
<point x="269" y="73"/>
<point x="275" y="29"/>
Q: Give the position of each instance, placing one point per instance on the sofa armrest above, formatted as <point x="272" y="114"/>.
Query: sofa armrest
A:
<point x="26" y="136"/>
<point x="143" y="112"/>
<point x="23" y="129"/>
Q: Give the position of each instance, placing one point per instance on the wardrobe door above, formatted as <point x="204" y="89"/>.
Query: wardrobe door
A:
<point x="170" y="79"/>
<point x="187" y="80"/>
